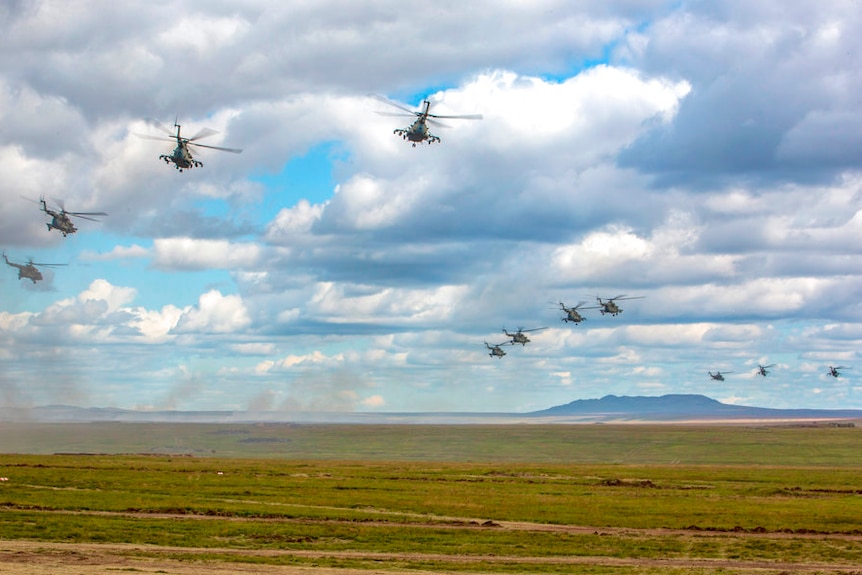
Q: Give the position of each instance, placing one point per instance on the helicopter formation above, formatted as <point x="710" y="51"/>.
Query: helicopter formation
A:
<point x="417" y="132"/>
<point x="183" y="159"/>
<point x="764" y="370"/>
<point x="61" y="219"/>
<point x="572" y="314"/>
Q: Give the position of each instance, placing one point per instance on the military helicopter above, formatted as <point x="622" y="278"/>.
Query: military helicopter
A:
<point x="519" y="336"/>
<point x="496" y="350"/>
<point x="718" y="376"/>
<point x="572" y="312"/>
<point x="418" y="131"/>
<point x="29" y="270"/>
<point x="182" y="157"/>
<point x="833" y="371"/>
<point x="61" y="222"/>
<point x="610" y="305"/>
<point x="764" y="369"/>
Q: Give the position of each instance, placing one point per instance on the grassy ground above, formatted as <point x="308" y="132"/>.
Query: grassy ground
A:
<point x="590" y="499"/>
<point x="624" y="444"/>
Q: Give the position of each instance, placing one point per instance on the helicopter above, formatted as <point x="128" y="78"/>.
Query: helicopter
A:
<point x="28" y="270"/>
<point x="764" y="369"/>
<point x="610" y="305"/>
<point x="833" y="371"/>
<point x="182" y="157"/>
<point x="572" y="312"/>
<point x="60" y="220"/>
<point x="418" y="131"/>
<point x="519" y="337"/>
<point x="496" y="350"/>
<point x="718" y="376"/>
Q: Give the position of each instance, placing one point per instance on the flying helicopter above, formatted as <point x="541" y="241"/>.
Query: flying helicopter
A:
<point x="718" y="375"/>
<point x="764" y="369"/>
<point x="572" y="313"/>
<point x="418" y="131"/>
<point x="610" y="305"/>
<point x="61" y="222"/>
<point x="519" y="336"/>
<point x="182" y="157"/>
<point x="833" y="371"/>
<point x="497" y="350"/>
<point x="28" y="270"/>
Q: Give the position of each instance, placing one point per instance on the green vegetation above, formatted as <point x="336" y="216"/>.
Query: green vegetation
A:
<point x="500" y="515"/>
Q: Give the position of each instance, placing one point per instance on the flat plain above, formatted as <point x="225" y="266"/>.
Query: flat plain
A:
<point x="324" y="499"/>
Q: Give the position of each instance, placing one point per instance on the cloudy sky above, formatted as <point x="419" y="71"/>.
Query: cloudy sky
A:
<point x="704" y="156"/>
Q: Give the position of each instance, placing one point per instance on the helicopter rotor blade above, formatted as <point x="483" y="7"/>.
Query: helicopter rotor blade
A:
<point x="159" y="126"/>
<point x="42" y="264"/>
<point x="394" y="104"/>
<point x="160" y="138"/>
<point x="396" y="114"/>
<point x="458" y="117"/>
<point x="437" y="124"/>
<point x="85" y="215"/>
<point x="203" y="133"/>
<point x="231" y="150"/>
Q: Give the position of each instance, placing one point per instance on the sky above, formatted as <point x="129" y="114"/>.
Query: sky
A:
<point x="703" y="157"/>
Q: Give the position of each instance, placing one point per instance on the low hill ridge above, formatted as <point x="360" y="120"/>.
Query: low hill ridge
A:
<point x="677" y="406"/>
<point x="669" y="408"/>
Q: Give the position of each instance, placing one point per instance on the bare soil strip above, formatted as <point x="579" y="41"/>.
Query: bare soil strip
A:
<point x="39" y="558"/>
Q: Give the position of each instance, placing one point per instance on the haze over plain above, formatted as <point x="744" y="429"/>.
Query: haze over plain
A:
<point x="705" y="156"/>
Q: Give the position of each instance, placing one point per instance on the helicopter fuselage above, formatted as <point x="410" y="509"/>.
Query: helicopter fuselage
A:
<point x="182" y="158"/>
<point x="28" y="271"/>
<point x="417" y="132"/>
<point x="573" y="316"/>
<point x="495" y="350"/>
<point x="610" y="307"/>
<point x="61" y="223"/>
<point x="518" y="337"/>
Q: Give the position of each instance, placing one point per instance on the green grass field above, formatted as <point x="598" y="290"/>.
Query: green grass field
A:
<point x="490" y="499"/>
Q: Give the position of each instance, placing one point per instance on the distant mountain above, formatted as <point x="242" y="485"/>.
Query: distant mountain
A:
<point x="682" y="406"/>
<point x="609" y="408"/>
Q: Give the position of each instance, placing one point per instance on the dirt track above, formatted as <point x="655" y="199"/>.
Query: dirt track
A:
<point x="39" y="558"/>
<point x="32" y="558"/>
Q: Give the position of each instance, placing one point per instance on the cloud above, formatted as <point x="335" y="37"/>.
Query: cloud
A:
<point x="215" y="313"/>
<point x="118" y="252"/>
<point x="740" y="62"/>
<point x="194" y="254"/>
